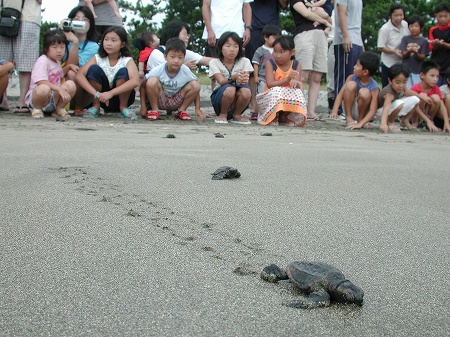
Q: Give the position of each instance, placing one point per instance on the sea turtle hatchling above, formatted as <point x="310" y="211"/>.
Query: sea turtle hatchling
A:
<point x="321" y="283"/>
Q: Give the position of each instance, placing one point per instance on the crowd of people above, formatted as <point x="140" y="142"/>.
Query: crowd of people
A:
<point x="87" y="66"/>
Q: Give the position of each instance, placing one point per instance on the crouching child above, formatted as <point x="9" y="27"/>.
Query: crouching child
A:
<point x="171" y="85"/>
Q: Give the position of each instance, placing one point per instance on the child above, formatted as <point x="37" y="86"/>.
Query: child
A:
<point x="171" y="85"/>
<point x="439" y="37"/>
<point x="110" y="76"/>
<point x="445" y="91"/>
<point x="262" y="54"/>
<point x="231" y="72"/>
<point x="414" y="48"/>
<point x="146" y="44"/>
<point x="395" y="100"/>
<point x="430" y="95"/>
<point x="46" y="92"/>
<point x="5" y="69"/>
<point x="323" y="8"/>
<point x="112" y="3"/>
<point x="359" y="93"/>
<point x="283" y="100"/>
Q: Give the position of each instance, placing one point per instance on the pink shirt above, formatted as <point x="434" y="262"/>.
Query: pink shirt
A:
<point x="44" y="69"/>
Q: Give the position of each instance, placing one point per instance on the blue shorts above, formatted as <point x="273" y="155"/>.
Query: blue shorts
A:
<point x="96" y="74"/>
<point x="216" y="98"/>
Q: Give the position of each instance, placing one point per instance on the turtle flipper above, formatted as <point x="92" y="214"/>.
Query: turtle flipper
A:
<point x="316" y="299"/>
<point x="273" y="274"/>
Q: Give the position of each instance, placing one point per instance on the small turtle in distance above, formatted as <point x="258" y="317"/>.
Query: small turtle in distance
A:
<point x="225" y="172"/>
<point x="321" y="283"/>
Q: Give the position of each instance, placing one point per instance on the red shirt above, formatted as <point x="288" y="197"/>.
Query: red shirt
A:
<point x="144" y="55"/>
<point x="434" y="90"/>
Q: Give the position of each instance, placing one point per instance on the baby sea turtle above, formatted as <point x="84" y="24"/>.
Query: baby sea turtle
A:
<point x="225" y="172"/>
<point x="320" y="281"/>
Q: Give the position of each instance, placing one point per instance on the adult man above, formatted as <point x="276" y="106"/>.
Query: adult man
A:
<point x="348" y="44"/>
<point x="220" y="16"/>
<point x="264" y="12"/>
<point x="24" y="48"/>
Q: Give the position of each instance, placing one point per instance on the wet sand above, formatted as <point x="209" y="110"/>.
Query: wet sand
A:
<point x="109" y="228"/>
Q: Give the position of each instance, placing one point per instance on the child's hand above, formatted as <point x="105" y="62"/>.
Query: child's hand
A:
<point x="384" y="128"/>
<point x="73" y="67"/>
<point x="200" y="115"/>
<point x="256" y="79"/>
<point x="295" y="84"/>
<point x="333" y="115"/>
<point x="64" y="95"/>
<point x="293" y="74"/>
<point x="399" y="53"/>
<point x="242" y="77"/>
<point x="104" y="97"/>
<point x="191" y="64"/>
<point x="434" y="128"/>
<point x="141" y="73"/>
<point x="425" y="98"/>
<point x="445" y="128"/>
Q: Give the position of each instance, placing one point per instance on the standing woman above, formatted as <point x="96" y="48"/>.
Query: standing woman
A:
<point x="389" y="38"/>
<point x="105" y="15"/>
<point x="109" y="78"/>
<point x="311" y="49"/>
<point x="82" y="47"/>
<point x="24" y="48"/>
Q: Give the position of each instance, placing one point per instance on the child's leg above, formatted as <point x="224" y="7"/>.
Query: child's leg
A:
<point x="70" y="88"/>
<point x="363" y="102"/>
<point x="435" y="106"/>
<point x="41" y="96"/>
<point x="443" y="113"/>
<point x="190" y="93"/>
<point x="3" y="83"/>
<point x="154" y="90"/>
<point x="349" y="99"/>
<point x="228" y="97"/>
<point x="123" y="97"/>
<point x="143" y="98"/>
<point x="97" y="86"/>
<point x="320" y="12"/>
<point x="243" y="97"/>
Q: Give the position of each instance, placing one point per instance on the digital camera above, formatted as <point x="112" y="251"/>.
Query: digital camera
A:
<point x="71" y="25"/>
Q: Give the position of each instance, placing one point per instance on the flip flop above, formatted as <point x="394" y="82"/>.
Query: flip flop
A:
<point x="315" y="119"/>
<point x="184" y="116"/>
<point x="152" y="115"/>
<point x="91" y="113"/>
<point x="220" y="120"/>
<point x="37" y="113"/>
<point x="128" y="114"/>
<point x="21" y="109"/>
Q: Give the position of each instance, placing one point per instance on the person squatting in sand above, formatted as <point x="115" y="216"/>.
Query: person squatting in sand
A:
<point x="46" y="92"/>
<point x="110" y="76"/>
<point x="283" y="101"/>
<point x="171" y="85"/>
<point x="231" y="72"/>
<point x="396" y="101"/>
<point x="359" y="95"/>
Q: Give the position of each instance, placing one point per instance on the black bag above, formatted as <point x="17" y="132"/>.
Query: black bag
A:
<point x="9" y="22"/>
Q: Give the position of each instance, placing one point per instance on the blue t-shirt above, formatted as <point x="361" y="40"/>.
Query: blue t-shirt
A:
<point x="86" y="50"/>
<point x="372" y="85"/>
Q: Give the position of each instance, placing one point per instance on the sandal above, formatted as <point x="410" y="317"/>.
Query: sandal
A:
<point x="184" y="116"/>
<point x="79" y="112"/>
<point x="37" y="113"/>
<point x="152" y="115"/>
<point x="128" y="113"/>
<point x="61" y="115"/>
<point x="21" y="109"/>
<point x="220" y="120"/>
<point x="91" y="113"/>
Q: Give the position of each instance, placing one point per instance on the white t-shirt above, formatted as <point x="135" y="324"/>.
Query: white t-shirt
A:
<point x="111" y="72"/>
<point x="226" y="15"/>
<point x="390" y="37"/>
<point x="157" y="57"/>
<point x="216" y="66"/>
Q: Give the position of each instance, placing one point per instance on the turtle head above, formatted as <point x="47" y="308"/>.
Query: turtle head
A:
<point x="347" y="292"/>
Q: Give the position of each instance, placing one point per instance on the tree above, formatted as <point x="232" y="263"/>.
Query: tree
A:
<point x="190" y="12"/>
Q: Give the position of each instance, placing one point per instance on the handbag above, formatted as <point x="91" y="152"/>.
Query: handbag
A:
<point x="10" y="21"/>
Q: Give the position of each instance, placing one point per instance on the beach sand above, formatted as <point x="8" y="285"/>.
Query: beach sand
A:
<point x="110" y="228"/>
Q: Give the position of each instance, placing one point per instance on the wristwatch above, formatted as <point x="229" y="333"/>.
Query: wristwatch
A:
<point x="249" y="27"/>
<point x="230" y="80"/>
